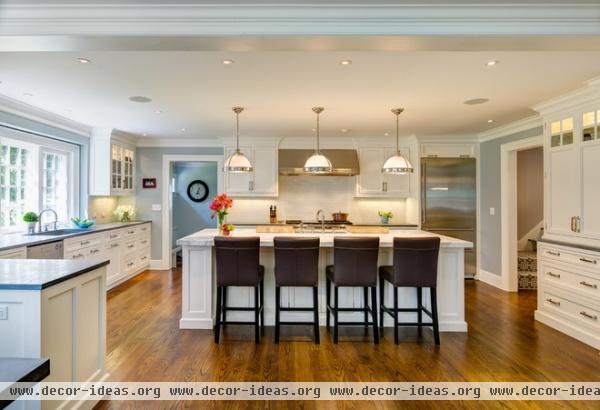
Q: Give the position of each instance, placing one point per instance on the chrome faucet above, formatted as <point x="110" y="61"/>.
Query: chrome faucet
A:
<point x="40" y="219"/>
<point x="320" y="213"/>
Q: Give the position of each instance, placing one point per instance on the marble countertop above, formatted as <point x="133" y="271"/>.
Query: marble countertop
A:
<point x="391" y="225"/>
<point x="205" y="237"/>
<point x="16" y="240"/>
<point x="38" y="274"/>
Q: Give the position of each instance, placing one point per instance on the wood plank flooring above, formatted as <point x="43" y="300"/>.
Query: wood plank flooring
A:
<point x="504" y="343"/>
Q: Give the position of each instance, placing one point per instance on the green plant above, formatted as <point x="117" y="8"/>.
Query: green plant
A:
<point x="386" y="214"/>
<point x="30" y="217"/>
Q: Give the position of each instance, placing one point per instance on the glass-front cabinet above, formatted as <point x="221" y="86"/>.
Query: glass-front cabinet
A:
<point x="122" y="168"/>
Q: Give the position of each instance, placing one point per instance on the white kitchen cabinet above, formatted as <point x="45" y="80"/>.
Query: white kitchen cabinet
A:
<point x="127" y="249"/>
<point x="112" y="164"/>
<point x="572" y="150"/>
<point x="16" y="253"/>
<point x="263" y="181"/>
<point x="371" y="182"/>
<point x="448" y="150"/>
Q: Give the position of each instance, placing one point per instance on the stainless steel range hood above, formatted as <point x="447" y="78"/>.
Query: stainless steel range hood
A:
<point x="344" y="161"/>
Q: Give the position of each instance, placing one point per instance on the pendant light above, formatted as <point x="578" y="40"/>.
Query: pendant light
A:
<point x="397" y="163"/>
<point x="238" y="162"/>
<point x="318" y="163"/>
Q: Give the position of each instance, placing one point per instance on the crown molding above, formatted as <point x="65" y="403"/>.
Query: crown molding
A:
<point x="41" y="116"/>
<point x="293" y="19"/>
<point x="179" y="143"/>
<point x="525" y="124"/>
<point x="589" y="93"/>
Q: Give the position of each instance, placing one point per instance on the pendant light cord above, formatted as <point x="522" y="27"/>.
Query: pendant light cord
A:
<point x="237" y="132"/>
<point x="397" y="134"/>
<point x="318" y="146"/>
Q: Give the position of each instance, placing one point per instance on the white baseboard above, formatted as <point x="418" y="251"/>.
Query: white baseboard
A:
<point x="159" y="264"/>
<point x="490" y="279"/>
<point x="564" y="326"/>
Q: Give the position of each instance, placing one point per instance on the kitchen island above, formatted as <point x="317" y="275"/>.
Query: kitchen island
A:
<point x="199" y="290"/>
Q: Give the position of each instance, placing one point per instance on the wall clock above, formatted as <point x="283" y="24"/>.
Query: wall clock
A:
<point x="197" y="190"/>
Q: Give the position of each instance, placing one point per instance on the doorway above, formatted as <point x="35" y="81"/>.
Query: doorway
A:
<point x="522" y="207"/>
<point x="185" y="208"/>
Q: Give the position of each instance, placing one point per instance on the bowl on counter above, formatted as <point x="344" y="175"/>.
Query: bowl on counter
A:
<point x="83" y="223"/>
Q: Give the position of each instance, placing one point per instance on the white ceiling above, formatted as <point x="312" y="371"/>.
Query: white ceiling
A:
<point x="195" y="91"/>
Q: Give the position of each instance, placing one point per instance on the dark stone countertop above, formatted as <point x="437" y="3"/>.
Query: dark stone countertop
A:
<point x="16" y="240"/>
<point x="38" y="274"/>
<point x="20" y="370"/>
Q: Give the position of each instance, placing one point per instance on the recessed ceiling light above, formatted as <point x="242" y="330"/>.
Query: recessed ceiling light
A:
<point x="145" y="135"/>
<point x="344" y="130"/>
<point x="228" y="62"/>
<point x="490" y="121"/>
<point x="387" y="134"/>
<point x="157" y="111"/>
<point x="346" y="62"/>
<point x="140" y="99"/>
<point x="84" y="60"/>
<point x="476" y="101"/>
<point x="492" y="63"/>
<point x="313" y="129"/>
<point x="183" y="130"/>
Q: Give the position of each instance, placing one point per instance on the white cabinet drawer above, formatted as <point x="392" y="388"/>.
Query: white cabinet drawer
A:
<point x="579" y="282"/>
<point x="130" y="246"/>
<point x="145" y="228"/>
<point x="129" y="264"/>
<point x="587" y="260"/>
<point x="143" y="241"/>
<point x="143" y="259"/>
<point x="83" y="241"/>
<point x="114" y="235"/>
<point x="584" y="315"/>
<point x="91" y="252"/>
<point x="130" y="231"/>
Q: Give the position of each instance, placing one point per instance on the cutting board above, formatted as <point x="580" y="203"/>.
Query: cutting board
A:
<point x="274" y="229"/>
<point x="367" y="229"/>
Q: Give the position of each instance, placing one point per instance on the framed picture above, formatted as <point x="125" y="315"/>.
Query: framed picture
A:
<point x="149" y="183"/>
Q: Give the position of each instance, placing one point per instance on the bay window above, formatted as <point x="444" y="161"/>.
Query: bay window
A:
<point x="37" y="173"/>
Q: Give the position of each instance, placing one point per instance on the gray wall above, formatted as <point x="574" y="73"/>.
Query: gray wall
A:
<point x="489" y="153"/>
<point x="190" y="216"/>
<point x="149" y="165"/>
<point x="530" y="190"/>
<point x="26" y="125"/>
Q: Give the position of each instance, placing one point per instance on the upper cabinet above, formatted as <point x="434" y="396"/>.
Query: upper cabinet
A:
<point x="572" y="145"/>
<point x="371" y="182"/>
<point x="263" y="181"/>
<point x="448" y="150"/>
<point x="112" y="164"/>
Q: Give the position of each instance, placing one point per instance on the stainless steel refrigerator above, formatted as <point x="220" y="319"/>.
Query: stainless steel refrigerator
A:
<point x="448" y="201"/>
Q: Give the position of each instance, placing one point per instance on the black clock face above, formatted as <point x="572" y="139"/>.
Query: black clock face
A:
<point x="197" y="190"/>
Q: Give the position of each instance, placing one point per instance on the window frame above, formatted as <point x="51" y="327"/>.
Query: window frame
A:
<point x="50" y="145"/>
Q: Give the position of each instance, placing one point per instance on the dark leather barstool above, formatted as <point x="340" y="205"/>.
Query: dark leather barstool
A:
<point x="415" y="265"/>
<point x="354" y="265"/>
<point x="296" y="264"/>
<point x="237" y="265"/>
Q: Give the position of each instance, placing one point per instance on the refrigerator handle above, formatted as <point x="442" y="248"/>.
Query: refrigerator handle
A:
<point x="423" y="194"/>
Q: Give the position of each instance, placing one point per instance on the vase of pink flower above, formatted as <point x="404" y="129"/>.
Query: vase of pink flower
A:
<point x="220" y="206"/>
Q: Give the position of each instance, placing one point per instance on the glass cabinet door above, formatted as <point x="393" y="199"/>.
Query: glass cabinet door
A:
<point x="127" y="169"/>
<point x="116" y="167"/>
<point x="591" y="126"/>
<point x="561" y="133"/>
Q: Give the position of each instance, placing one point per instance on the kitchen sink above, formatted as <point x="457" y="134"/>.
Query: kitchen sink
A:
<point x="56" y="232"/>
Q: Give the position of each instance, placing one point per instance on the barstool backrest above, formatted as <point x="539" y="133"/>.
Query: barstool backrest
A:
<point x="355" y="261"/>
<point x="416" y="261"/>
<point x="296" y="261"/>
<point x="237" y="260"/>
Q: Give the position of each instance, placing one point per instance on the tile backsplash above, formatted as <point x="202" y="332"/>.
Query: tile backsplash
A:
<point x="101" y="208"/>
<point x="301" y="196"/>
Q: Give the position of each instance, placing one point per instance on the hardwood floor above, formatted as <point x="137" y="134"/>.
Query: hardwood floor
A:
<point x="504" y="343"/>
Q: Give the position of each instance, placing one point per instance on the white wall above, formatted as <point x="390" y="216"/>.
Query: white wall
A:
<point x="301" y="196"/>
<point x="530" y="190"/>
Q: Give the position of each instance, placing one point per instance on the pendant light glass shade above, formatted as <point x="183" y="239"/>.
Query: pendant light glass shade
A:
<point x="318" y="163"/>
<point x="397" y="163"/>
<point x="238" y="162"/>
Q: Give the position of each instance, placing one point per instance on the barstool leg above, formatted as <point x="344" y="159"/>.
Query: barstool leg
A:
<point x="374" y="314"/>
<point x="381" y="297"/>
<point x="316" y="313"/>
<point x="335" y="313"/>
<point x="327" y="301"/>
<point x="218" y="315"/>
<point x="434" y="314"/>
<point x="262" y="305"/>
<point x="419" y="306"/>
<point x="224" y="304"/>
<point x="366" y="306"/>
<point x="256" y="316"/>
<point x="277" y="306"/>
<point x="395" y="315"/>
